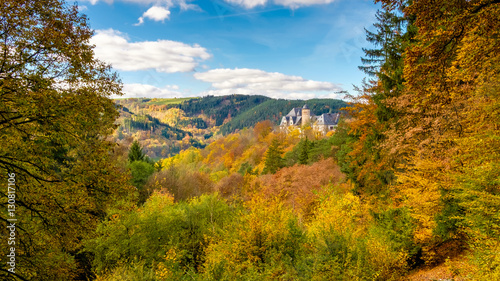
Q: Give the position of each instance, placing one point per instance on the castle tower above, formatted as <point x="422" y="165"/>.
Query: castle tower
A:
<point x="306" y="115"/>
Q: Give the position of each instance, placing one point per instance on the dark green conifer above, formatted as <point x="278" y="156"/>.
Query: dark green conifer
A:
<point x="274" y="161"/>
<point x="135" y="153"/>
<point x="304" y="151"/>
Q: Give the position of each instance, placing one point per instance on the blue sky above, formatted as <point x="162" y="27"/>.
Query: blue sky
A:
<point x="291" y="49"/>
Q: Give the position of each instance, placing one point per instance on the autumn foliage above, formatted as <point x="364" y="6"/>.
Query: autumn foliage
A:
<point x="408" y="180"/>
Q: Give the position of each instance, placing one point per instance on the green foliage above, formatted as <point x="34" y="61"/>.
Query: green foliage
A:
<point x="396" y="227"/>
<point x="135" y="153"/>
<point x="163" y="101"/>
<point x="304" y="151"/>
<point x="141" y="122"/>
<point x="141" y="171"/>
<point x="308" y="152"/>
<point x="342" y="146"/>
<point x="56" y="117"/>
<point x="219" y="108"/>
<point x="195" y="122"/>
<point x="246" y="168"/>
<point x="161" y="235"/>
<point x="274" y="161"/>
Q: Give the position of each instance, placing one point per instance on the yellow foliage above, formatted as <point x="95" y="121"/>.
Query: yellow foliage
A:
<point x="341" y="213"/>
<point x="217" y="176"/>
<point x="262" y="229"/>
<point x="164" y="270"/>
<point x="185" y="157"/>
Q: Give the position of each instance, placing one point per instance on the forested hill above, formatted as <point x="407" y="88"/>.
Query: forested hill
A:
<point x="231" y="113"/>
<point x="274" y="109"/>
<point x="166" y="126"/>
<point x="221" y="108"/>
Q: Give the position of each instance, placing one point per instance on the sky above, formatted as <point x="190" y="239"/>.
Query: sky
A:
<point x="289" y="49"/>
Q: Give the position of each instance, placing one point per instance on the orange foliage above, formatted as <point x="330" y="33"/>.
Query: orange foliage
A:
<point x="298" y="186"/>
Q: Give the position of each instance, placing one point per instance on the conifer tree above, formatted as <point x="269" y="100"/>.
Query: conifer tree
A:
<point x="368" y="163"/>
<point x="304" y="151"/>
<point x="385" y="61"/>
<point x="274" y="161"/>
<point x="135" y="153"/>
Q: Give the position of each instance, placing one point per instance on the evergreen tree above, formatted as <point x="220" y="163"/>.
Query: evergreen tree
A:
<point x="141" y="171"/>
<point x="136" y="153"/>
<point x="274" y="161"/>
<point x="369" y="163"/>
<point x="386" y="61"/>
<point x="304" y="151"/>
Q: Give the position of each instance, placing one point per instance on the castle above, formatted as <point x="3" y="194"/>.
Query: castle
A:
<point x="300" y="117"/>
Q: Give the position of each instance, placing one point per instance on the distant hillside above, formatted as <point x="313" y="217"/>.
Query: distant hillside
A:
<point x="221" y="108"/>
<point x="166" y="126"/>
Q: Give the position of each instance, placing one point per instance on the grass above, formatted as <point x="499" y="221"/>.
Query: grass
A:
<point x="159" y="101"/>
<point x="155" y="101"/>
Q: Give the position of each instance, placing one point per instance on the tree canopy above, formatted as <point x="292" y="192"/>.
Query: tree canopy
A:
<point x="55" y="114"/>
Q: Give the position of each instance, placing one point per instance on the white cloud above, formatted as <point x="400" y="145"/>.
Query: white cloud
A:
<point x="155" y="13"/>
<point x="300" y="3"/>
<point x="143" y="2"/>
<point x="183" y="4"/>
<point x="149" y="91"/>
<point x="249" y="4"/>
<point x="258" y="82"/>
<point x="293" y="4"/>
<point x="161" y="55"/>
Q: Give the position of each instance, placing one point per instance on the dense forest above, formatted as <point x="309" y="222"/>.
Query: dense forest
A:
<point x="166" y="126"/>
<point x="409" y="180"/>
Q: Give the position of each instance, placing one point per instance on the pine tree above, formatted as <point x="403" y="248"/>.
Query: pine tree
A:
<point x="386" y="61"/>
<point x="274" y="161"/>
<point x="304" y="151"/>
<point x="135" y="153"/>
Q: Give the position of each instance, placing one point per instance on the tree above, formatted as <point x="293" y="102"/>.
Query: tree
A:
<point x="362" y="152"/>
<point x="274" y="161"/>
<point x="304" y="151"/>
<point x="141" y="171"/>
<point x="55" y="116"/>
<point x="135" y="153"/>
<point x="448" y="125"/>
<point x="385" y="62"/>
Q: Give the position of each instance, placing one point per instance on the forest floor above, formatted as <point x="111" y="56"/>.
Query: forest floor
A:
<point x="446" y="271"/>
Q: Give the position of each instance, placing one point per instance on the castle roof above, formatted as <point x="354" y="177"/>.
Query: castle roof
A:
<point x="296" y="111"/>
<point x="295" y="119"/>
<point x="328" y="119"/>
